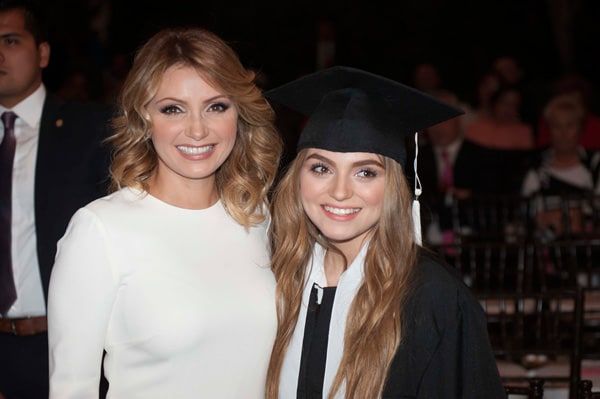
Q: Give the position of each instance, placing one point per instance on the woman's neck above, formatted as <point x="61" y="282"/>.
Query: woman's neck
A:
<point x="565" y="159"/>
<point x="335" y="264"/>
<point x="184" y="193"/>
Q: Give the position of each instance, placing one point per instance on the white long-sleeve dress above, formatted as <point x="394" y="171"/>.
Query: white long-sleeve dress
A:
<point x="181" y="300"/>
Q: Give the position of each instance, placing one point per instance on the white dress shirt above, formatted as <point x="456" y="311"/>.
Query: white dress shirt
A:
<point x="26" y="270"/>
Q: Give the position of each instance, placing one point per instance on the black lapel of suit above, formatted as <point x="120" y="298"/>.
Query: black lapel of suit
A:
<point x="429" y="168"/>
<point x="463" y="163"/>
<point x="46" y="147"/>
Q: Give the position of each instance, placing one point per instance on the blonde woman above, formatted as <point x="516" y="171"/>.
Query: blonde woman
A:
<point x="170" y="273"/>
<point x="363" y="312"/>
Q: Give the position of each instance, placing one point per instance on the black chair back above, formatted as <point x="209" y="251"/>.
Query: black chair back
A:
<point x="535" y="390"/>
<point x="585" y="391"/>
<point x="534" y="329"/>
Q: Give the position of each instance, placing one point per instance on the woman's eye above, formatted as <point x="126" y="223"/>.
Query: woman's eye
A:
<point x="319" y="169"/>
<point x="171" y="109"/>
<point x="366" y="173"/>
<point x="218" y="107"/>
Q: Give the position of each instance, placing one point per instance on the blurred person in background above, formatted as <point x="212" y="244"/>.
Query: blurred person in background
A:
<point x="450" y="166"/>
<point x="565" y="171"/>
<point x="503" y="128"/>
<point x="580" y="91"/>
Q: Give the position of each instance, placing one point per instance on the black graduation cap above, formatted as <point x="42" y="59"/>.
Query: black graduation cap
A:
<point x="351" y="110"/>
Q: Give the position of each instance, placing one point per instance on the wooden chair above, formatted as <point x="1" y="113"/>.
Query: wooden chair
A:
<point x="536" y="335"/>
<point x="535" y="390"/>
<point x="509" y="218"/>
<point x="565" y="216"/>
<point x="493" y="266"/>
<point x="491" y="218"/>
<point x="574" y="264"/>
<point x="594" y="201"/>
<point x="585" y="390"/>
<point x="571" y="263"/>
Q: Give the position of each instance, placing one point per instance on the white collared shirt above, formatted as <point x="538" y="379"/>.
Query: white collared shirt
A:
<point x="26" y="270"/>
<point x="451" y="150"/>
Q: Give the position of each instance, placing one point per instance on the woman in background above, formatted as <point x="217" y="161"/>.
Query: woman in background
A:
<point x="566" y="175"/>
<point x="170" y="273"/>
<point x="502" y="129"/>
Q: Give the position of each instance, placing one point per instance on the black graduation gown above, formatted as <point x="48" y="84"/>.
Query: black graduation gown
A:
<point x="445" y="352"/>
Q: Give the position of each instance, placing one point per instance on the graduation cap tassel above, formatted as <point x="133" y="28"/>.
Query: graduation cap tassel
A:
<point x="416" y="206"/>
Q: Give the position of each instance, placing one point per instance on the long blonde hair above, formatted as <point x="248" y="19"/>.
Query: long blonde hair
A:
<point x="245" y="178"/>
<point x="374" y="325"/>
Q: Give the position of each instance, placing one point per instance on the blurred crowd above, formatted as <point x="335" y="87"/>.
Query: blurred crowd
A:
<point x="525" y="146"/>
<point x="537" y="166"/>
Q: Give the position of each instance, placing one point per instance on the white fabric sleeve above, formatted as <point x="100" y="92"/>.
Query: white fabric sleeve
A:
<point x="82" y="290"/>
<point x="531" y="183"/>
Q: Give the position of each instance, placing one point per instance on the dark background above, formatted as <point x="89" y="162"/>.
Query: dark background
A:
<point x="278" y="39"/>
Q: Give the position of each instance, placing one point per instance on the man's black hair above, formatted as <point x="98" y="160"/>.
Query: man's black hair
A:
<point x="33" y="15"/>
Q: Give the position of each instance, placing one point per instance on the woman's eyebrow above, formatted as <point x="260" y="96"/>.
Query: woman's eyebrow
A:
<point x="368" y="162"/>
<point x="217" y="97"/>
<point x="320" y="158"/>
<point x="181" y="100"/>
<point x="355" y="164"/>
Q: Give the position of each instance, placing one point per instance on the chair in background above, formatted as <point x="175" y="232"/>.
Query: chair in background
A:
<point x="594" y="220"/>
<point x="491" y="218"/>
<point x="585" y="391"/>
<point x="536" y="335"/>
<point x="575" y="264"/>
<point x="572" y="263"/>
<point x="535" y="390"/>
<point x="565" y="216"/>
<point x="493" y="266"/>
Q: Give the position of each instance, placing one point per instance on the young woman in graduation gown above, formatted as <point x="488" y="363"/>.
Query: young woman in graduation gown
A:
<point x="363" y="311"/>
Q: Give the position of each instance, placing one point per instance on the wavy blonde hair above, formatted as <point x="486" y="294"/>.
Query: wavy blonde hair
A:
<point x="243" y="181"/>
<point x="374" y="325"/>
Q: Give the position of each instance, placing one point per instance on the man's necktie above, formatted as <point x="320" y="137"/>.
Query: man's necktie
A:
<point x="8" y="291"/>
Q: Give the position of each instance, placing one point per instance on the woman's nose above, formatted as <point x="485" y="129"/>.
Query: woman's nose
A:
<point x="341" y="188"/>
<point x="197" y="128"/>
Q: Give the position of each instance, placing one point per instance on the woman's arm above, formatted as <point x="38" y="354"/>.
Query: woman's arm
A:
<point x="82" y="290"/>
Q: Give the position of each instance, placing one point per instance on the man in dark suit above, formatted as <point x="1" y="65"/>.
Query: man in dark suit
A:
<point x="52" y="162"/>
<point x="450" y="164"/>
<point x="450" y="167"/>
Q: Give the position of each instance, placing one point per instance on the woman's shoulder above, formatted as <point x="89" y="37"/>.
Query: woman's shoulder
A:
<point x="121" y="198"/>
<point x="114" y="205"/>
<point x="439" y="286"/>
<point x="431" y="270"/>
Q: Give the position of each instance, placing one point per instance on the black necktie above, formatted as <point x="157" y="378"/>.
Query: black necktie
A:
<point x="8" y="291"/>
